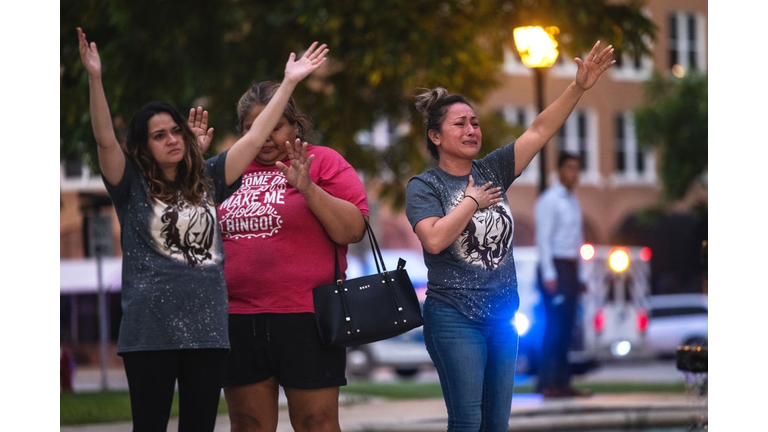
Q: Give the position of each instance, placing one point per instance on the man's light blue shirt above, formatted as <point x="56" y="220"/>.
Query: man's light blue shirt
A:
<point x="558" y="228"/>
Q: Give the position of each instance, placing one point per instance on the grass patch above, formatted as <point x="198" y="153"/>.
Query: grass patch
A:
<point x="413" y="390"/>
<point x="394" y="390"/>
<point x="97" y="407"/>
<point x="115" y="406"/>
<point x="105" y="407"/>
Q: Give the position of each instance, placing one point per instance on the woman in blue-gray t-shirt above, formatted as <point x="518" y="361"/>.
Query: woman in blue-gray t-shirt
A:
<point x="460" y="213"/>
<point x="174" y="298"/>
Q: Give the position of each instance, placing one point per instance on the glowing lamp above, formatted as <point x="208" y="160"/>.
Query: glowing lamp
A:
<point x="618" y="259"/>
<point x="587" y="251"/>
<point x="642" y="320"/>
<point x="645" y="254"/>
<point x="522" y="323"/>
<point x="537" y="45"/>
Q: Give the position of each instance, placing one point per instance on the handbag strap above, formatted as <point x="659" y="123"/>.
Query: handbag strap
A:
<point x="377" y="256"/>
<point x="380" y="268"/>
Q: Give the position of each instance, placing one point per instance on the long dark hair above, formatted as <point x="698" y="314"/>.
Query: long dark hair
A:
<point x="191" y="181"/>
<point x="433" y="106"/>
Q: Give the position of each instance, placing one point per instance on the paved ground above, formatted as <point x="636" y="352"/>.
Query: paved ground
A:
<point x="530" y="412"/>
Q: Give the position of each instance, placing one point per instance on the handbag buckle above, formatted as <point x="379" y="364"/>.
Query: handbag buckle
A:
<point x="347" y="319"/>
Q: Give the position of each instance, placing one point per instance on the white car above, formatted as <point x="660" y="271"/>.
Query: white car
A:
<point x="676" y="320"/>
<point x="406" y="354"/>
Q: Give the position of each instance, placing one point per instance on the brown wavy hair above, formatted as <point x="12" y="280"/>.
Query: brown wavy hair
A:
<point x="192" y="182"/>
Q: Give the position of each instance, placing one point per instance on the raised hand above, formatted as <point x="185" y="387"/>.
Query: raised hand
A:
<point x="198" y="122"/>
<point x="89" y="55"/>
<point x="591" y="69"/>
<point x="297" y="175"/>
<point x="297" y="70"/>
<point x="485" y="195"/>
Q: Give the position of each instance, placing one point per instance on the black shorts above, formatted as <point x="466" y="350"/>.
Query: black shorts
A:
<point x="286" y="346"/>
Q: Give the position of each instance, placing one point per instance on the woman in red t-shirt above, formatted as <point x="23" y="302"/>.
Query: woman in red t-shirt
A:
<point x="297" y="206"/>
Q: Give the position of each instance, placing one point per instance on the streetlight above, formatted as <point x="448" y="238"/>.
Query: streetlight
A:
<point x="538" y="50"/>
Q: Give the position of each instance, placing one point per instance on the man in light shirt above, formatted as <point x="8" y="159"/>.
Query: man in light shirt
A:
<point x="559" y="236"/>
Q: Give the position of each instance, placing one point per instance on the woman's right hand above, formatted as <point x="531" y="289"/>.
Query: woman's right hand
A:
<point x="485" y="195"/>
<point x="198" y="122"/>
<point x="89" y="55"/>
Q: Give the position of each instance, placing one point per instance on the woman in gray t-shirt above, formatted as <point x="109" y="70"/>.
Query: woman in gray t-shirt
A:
<point x="461" y="215"/>
<point x="174" y="298"/>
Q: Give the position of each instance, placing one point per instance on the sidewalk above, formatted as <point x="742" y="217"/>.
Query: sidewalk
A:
<point x="530" y="412"/>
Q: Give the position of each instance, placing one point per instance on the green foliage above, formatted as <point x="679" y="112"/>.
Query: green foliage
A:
<point x="674" y="120"/>
<point x="207" y="53"/>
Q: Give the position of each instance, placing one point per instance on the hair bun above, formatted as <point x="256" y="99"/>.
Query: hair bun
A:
<point x="429" y="97"/>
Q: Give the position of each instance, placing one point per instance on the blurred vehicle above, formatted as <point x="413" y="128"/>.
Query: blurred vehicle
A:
<point x="530" y="321"/>
<point x="675" y="320"/>
<point x="612" y="315"/>
<point x="618" y="284"/>
<point x="407" y="354"/>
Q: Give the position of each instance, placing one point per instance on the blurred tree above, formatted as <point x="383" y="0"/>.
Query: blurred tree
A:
<point x="382" y="51"/>
<point x="674" y="120"/>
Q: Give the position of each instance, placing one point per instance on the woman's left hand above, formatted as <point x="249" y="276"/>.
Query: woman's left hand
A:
<point x="297" y="175"/>
<point x="198" y="122"/>
<point x="312" y="59"/>
<point x="589" y="71"/>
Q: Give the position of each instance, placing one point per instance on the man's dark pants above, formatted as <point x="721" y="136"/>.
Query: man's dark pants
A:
<point x="560" y="311"/>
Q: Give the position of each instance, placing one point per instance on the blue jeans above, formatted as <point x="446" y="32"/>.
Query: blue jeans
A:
<point x="476" y="365"/>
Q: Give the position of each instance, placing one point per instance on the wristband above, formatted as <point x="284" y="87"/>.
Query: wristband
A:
<point x="473" y="199"/>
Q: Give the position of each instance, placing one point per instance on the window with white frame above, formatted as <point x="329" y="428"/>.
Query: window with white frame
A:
<point x="74" y="174"/>
<point x="631" y="67"/>
<point x="579" y="136"/>
<point x="633" y="164"/>
<point x="686" y="42"/>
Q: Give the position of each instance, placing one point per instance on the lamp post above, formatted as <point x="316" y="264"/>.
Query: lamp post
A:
<point x="538" y="50"/>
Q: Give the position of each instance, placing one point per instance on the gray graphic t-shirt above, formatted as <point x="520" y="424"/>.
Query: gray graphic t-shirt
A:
<point x="173" y="291"/>
<point x="476" y="274"/>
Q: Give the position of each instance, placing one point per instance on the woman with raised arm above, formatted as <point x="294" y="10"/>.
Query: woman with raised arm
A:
<point x="298" y="206"/>
<point x="460" y="213"/>
<point x="174" y="300"/>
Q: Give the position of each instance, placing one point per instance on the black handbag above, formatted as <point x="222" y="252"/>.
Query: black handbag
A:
<point x="369" y="308"/>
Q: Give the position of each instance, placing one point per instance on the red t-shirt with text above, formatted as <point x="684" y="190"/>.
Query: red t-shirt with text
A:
<point x="275" y="249"/>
